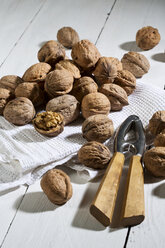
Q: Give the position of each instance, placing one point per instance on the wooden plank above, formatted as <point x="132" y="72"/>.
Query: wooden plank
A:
<point x="15" y="18"/>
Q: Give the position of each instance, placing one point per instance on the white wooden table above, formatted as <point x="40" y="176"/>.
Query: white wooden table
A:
<point x="27" y="218"/>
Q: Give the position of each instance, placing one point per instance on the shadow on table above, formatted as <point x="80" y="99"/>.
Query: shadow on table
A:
<point x="34" y="202"/>
<point x="130" y="46"/>
<point x="4" y="192"/>
<point x="160" y="57"/>
<point x="159" y="191"/>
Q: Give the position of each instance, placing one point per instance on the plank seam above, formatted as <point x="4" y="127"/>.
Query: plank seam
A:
<point x="26" y="28"/>
<point x="127" y="237"/>
<point x="108" y="15"/>
<point x="13" y="218"/>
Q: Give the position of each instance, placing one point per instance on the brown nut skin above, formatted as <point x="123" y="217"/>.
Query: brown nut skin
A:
<point x="147" y="37"/>
<point x="136" y="63"/>
<point x="70" y="66"/>
<point x="105" y="70"/>
<point x="36" y="72"/>
<point x="154" y="161"/>
<point x="49" y="123"/>
<point x="10" y="82"/>
<point x="157" y="122"/>
<point x="126" y="80"/>
<point x="67" y="105"/>
<point x="58" y="82"/>
<point x="32" y="91"/>
<point x="67" y="36"/>
<point x="5" y="96"/>
<point x="57" y="186"/>
<point x="19" y="111"/>
<point x="94" y="155"/>
<point x="85" y="54"/>
<point x="116" y="95"/>
<point x="95" y="103"/>
<point x="97" y="128"/>
<point x="160" y="139"/>
<point x="51" y="52"/>
<point x="83" y="87"/>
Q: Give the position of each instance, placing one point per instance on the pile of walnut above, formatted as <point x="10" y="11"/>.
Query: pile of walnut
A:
<point x="154" y="159"/>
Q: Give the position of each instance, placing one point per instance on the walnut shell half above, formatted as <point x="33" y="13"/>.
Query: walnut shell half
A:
<point x="57" y="186"/>
<point x="157" y="122"/>
<point x="94" y="155"/>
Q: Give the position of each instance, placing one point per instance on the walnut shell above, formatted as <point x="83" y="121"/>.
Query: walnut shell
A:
<point x="105" y="70"/>
<point x="32" y="91"/>
<point x="67" y="105"/>
<point x="10" y="82"/>
<point x="51" y="52"/>
<point x="147" y="37"/>
<point x="157" y="122"/>
<point x="85" y="54"/>
<point x="116" y="95"/>
<point x="36" y="72"/>
<point x="5" y="96"/>
<point x="136" y="63"/>
<point x="83" y="86"/>
<point x="19" y="111"/>
<point x="154" y="161"/>
<point x="57" y="186"/>
<point x="116" y="62"/>
<point x="95" y="103"/>
<point x="70" y="66"/>
<point x="58" y="82"/>
<point x="67" y="36"/>
<point x="94" y="155"/>
<point x="126" y="80"/>
<point x="97" y="128"/>
<point x="160" y="139"/>
<point x="49" y="123"/>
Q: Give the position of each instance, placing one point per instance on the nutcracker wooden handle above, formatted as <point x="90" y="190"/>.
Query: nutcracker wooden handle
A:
<point x="103" y="204"/>
<point x="133" y="206"/>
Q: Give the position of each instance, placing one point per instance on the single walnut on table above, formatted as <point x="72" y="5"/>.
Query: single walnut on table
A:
<point x="49" y="123"/>
<point x="97" y="128"/>
<point x="51" y="52"/>
<point x="10" y="82"/>
<point x="157" y="122"/>
<point x="116" y="95"/>
<point x="5" y="96"/>
<point x="83" y="87"/>
<point x="67" y="36"/>
<point x="95" y="103"/>
<point x="67" y="105"/>
<point x="147" y="37"/>
<point x="70" y="66"/>
<point x="19" y="111"/>
<point x="94" y="155"/>
<point x="57" y="186"/>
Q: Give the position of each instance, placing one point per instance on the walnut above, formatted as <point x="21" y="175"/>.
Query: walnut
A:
<point x="94" y="155"/>
<point x="32" y="91"/>
<point x="136" y="63"/>
<point x="58" y="82"/>
<point x="116" y="62"/>
<point x="160" y="139"/>
<point x="157" y="122"/>
<point x="95" y="103"/>
<point x="126" y="80"/>
<point x="70" y="66"/>
<point x="83" y="86"/>
<point x="147" y="38"/>
<point x="105" y="70"/>
<point x="19" y="111"/>
<point x="116" y="95"/>
<point x="67" y="105"/>
<point x="57" y="186"/>
<point x="67" y="36"/>
<point x="85" y="54"/>
<point x="10" y="82"/>
<point x="97" y="128"/>
<point x="51" y="52"/>
<point x="36" y="72"/>
<point x="49" y="123"/>
<point x="154" y="161"/>
<point x="5" y="96"/>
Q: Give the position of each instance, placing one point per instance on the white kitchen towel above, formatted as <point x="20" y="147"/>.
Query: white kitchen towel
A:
<point x="25" y="154"/>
